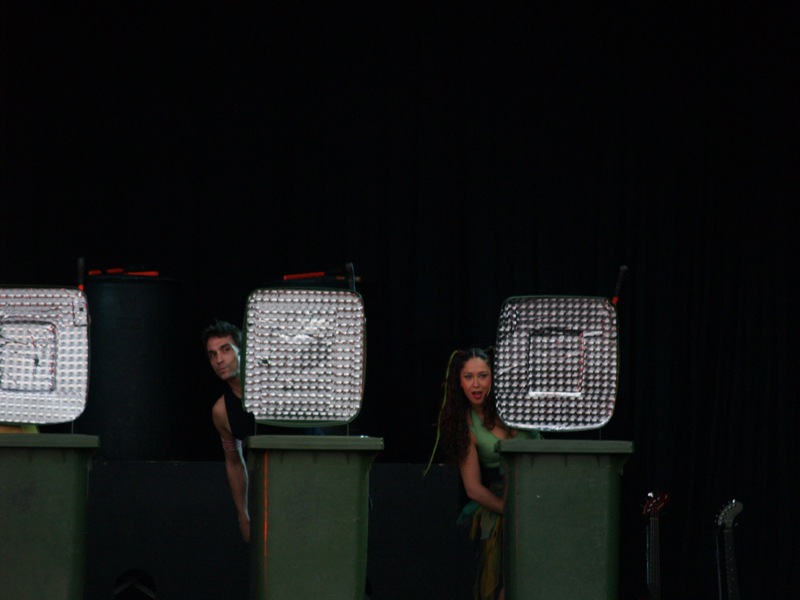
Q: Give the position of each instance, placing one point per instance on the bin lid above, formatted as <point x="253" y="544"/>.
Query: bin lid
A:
<point x="48" y="440"/>
<point x="566" y="446"/>
<point x="556" y="362"/>
<point x="44" y="354"/>
<point x="314" y="442"/>
<point x="303" y="356"/>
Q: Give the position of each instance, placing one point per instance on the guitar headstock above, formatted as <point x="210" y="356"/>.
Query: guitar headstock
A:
<point x="729" y="512"/>
<point x="655" y="502"/>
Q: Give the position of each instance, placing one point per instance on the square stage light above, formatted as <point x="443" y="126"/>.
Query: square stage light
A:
<point x="304" y="356"/>
<point x="556" y="363"/>
<point x="44" y="354"/>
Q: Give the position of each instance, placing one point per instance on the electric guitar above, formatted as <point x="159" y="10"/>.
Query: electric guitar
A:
<point x="726" y="556"/>
<point x="652" y="509"/>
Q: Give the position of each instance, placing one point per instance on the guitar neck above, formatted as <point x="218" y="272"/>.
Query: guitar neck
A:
<point x="730" y="578"/>
<point x="653" y="560"/>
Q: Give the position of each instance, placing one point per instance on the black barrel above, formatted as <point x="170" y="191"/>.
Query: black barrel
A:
<point x="137" y="363"/>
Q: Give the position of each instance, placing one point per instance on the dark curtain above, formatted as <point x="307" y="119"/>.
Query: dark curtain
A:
<point x="457" y="154"/>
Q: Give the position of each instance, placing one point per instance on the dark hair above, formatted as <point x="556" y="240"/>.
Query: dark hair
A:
<point x="453" y="426"/>
<point x="222" y="329"/>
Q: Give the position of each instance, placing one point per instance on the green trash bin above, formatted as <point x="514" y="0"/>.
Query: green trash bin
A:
<point x="43" y="494"/>
<point x="561" y="521"/>
<point x="309" y="498"/>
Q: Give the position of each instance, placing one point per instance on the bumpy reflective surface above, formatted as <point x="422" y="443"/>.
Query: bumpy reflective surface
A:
<point x="304" y="356"/>
<point x="556" y="362"/>
<point x="44" y="354"/>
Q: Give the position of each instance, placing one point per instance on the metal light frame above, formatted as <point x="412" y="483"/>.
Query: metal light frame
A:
<point x="44" y="354"/>
<point x="556" y="362"/>
<point x="304" y="356"/>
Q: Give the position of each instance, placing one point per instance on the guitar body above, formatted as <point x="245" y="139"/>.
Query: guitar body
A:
<point x="726" y="553"/>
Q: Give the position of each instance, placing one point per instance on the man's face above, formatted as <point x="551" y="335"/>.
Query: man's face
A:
<point x="223" y="356"/>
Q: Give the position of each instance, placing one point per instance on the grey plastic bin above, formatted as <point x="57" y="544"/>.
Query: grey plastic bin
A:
<point x="309" y="498"/>
<point x="561" y="523"/>
<point x="43" y="495"/>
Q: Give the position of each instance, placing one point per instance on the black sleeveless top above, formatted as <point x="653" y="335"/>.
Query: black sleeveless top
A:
<point x="243" y="423"/>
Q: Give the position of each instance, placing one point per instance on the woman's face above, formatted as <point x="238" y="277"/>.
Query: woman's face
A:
<point x="476" y="380"/>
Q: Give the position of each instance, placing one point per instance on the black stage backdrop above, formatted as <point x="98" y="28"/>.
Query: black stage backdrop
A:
<point x="457" y="154"/>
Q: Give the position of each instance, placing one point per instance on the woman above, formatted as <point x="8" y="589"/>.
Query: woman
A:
<point x="469" y="429"/>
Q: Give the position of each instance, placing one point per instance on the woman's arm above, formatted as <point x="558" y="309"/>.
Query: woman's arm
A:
<point x="471" y="477"/>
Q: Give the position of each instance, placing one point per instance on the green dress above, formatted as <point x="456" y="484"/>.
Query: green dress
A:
<point x="485" y="524"/>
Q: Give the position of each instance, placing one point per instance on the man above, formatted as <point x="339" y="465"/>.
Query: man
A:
<point x="223" y="343"/>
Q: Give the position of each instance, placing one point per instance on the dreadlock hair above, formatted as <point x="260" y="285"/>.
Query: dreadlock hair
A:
<point x="453" y="426"/>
